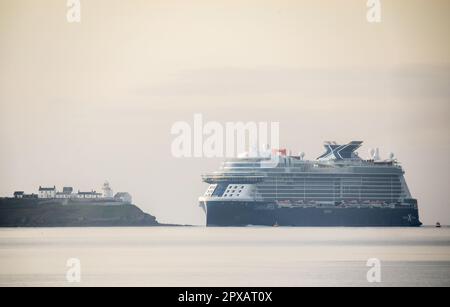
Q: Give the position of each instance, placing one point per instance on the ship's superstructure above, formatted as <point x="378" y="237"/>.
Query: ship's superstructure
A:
<point x="337" y="189"/>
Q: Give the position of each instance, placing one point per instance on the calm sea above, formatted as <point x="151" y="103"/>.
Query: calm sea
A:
<point x="197" y="256"/>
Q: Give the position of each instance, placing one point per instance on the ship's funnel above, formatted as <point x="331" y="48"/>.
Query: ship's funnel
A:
<point x="340" y="152"/>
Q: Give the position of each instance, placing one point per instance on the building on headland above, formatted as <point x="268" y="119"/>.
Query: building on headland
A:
<point x="67" y="195"/>
<point x="47" y="192"/>
<point x="123" y="196"/>
<point x="18" y="194"/>
<point x="91" y="195"/>
<point x="30" y="196"/>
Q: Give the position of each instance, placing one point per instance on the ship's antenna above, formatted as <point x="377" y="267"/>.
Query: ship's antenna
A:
<point x="377" y="154"/>
<point x="302" y="155"/>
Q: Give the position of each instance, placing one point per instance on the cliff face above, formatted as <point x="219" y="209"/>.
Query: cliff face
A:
<point x="58" y="213"/>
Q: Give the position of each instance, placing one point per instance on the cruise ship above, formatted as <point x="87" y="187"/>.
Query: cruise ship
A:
<point x="339" y="189"/>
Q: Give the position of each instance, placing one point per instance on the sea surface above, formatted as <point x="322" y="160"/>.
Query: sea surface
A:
<point x="199" y="256"/>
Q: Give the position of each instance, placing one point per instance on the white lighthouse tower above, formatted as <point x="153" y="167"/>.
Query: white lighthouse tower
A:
<point x="107" y="191"/>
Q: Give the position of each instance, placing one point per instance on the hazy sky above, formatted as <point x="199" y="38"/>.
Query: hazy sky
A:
<point x="82" y="103"/>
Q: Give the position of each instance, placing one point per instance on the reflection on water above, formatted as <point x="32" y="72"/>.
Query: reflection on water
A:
<point x="197" y="256"/>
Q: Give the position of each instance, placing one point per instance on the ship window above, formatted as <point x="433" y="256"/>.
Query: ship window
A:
<point x="225" y="195"/>
<point x="242" y="187"/>
<point x="240" y="191"/>
<point x="237" y="195"/>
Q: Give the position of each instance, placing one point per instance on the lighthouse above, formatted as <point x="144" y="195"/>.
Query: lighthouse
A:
<point x="107" y="191"/>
